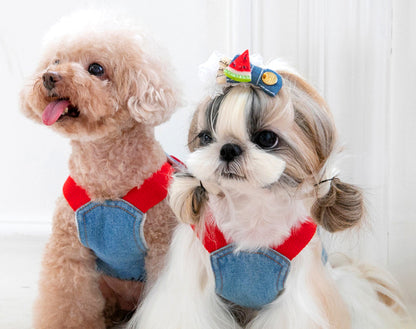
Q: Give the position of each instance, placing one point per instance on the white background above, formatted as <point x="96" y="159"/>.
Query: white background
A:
<point x="360" y="54"/>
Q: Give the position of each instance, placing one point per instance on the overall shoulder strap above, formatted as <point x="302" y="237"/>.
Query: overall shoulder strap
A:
<point x="153" y="190"/>
<point x="301" y="235"/>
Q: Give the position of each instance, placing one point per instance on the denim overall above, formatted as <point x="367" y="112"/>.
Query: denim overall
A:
<point x="113" y="229"/>
<point x="253" y="278"/>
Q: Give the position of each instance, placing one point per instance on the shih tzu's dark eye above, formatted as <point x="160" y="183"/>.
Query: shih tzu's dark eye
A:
<point x="96" y="69"/>
<point x="266" y="139"/>
<point x="205" y="138"/>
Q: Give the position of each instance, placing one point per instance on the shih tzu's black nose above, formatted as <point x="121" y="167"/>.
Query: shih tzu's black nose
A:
<point x="230" y="151"/>
<point x="50" y="78"/>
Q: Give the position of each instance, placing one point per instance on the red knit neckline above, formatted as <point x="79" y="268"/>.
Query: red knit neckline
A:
<point x="299" y="238"/>
<point x="153" y="190"/>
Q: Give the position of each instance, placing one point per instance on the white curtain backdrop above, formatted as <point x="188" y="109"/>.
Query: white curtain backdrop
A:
<point x="360" y="54"/>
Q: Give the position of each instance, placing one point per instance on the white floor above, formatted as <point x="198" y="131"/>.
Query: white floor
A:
<point x="20" y="264"/>
<point x="20" y="258"/>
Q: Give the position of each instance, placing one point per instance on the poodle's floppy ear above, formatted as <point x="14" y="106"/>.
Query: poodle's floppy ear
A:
<point x="152" y="94"/>
<point x="341" y="205"/>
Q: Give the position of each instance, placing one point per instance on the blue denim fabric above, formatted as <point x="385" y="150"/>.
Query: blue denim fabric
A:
<point x="113" y="229"/>
<point x="256" y="79"/>
<point x="250" y="279"/>
<point x="324" y="256"/>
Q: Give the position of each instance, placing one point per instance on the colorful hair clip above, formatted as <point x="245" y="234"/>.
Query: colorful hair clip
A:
<point x="240" y="70"/>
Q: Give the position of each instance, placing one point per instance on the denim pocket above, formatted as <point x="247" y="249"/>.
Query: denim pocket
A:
<point x="113" y="229"/>
<point x="249" y="278"/>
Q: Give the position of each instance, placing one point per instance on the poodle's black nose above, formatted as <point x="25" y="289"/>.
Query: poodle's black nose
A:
<point x="229" y="152"/>
<point x="50" y="78"/>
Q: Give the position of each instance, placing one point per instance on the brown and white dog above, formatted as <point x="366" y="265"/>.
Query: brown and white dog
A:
<point x="103" y="84"/>
<point x="247" y="253"/>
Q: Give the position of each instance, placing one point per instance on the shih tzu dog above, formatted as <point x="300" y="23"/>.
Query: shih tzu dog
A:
<point x="247" y="253"/>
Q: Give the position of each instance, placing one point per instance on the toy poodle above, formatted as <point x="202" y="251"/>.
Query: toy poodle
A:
<point x="102" y="83"/>
<point x="260" y="182"/>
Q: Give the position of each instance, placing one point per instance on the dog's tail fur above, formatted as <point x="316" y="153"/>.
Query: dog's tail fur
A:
<point x="385" y="285"/>
<point x="373" y="288"/>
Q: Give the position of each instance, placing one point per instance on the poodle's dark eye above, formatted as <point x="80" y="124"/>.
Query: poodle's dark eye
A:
<point x="205" y="138"/>
<point x="96" y="69"/>
<point x="56" y="61"/>
<point x="266" y="139"/>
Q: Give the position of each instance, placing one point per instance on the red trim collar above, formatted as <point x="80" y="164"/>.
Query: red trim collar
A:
<point x="151" y="192"/>
<point x="214" y="239"/>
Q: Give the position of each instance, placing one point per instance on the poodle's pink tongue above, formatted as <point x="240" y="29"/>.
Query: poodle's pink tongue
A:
<point x="53" y="111"/>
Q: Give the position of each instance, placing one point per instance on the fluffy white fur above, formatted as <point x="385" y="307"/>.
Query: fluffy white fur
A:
<point x="270" y="192"/>
<point x="184" y="296"/>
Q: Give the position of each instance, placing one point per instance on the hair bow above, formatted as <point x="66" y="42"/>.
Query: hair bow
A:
<point x="240" y="70"/>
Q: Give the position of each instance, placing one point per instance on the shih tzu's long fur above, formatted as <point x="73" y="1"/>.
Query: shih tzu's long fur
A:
<point x="261" y="165"/>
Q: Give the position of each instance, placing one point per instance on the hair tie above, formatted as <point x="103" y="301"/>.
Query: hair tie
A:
<point x="325" y="180"/>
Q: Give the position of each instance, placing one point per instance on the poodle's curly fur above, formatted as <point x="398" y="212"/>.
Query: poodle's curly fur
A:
<point x="113" y="150"/>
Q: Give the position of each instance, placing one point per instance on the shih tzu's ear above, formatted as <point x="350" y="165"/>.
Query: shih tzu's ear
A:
<point x="153" y="95"/>
<point x="340" y="208"/>
<point x="303" y="85"/>
<point x="188" y="198"/>
<point x="193" y="132"/>
<point x="312" y="116"/>
<point x="193" y="141"/>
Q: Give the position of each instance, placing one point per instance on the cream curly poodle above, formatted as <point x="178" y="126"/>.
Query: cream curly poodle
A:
<point x="102" y="83"/>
